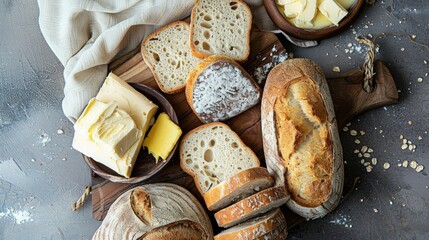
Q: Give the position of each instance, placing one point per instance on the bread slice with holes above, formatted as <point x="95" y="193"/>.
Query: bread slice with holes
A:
<point x="237" y="187"/>
<point x="221" y="27"/>
<point x="169" y="57"/>
<point x="254" y="228"/>
<point x="218" y="88"/>
<point x="212" y="153"/>
<point x="184" y="229"/>
<point x="147" y="207"/>
<point x="252" y="206"/>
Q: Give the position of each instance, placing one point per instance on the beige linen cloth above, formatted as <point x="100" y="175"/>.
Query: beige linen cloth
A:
<point x="86" y="35"/>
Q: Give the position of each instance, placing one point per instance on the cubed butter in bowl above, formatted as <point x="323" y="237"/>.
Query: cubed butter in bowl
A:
<point x="111" y="130"/>
<point x="313" y="19"/>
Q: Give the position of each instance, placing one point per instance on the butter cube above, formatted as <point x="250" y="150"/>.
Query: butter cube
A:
<point x="305" y="18"/>
<point x="284" y="2"/>
<point x="162" y="137"/>
<point x="293" y="9"/>
<point x="332" y="11"/>
<point x="128" y="99"/>
<point x="108" y="135"/>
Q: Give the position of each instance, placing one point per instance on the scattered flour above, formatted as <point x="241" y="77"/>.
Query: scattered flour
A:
<point x="44" y="138"/>
<point x="276" y="57"/>
<point x="18" y="216"/>
<point x="342" y="220"/>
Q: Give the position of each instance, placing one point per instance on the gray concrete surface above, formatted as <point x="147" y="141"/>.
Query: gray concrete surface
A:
<point x="40" y="175"/>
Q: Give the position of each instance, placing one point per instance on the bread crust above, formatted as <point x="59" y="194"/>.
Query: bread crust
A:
<point x="208" y="125"/>
<point x="227" y="187"/>
<point x="279" y="79"/>
<point x="183" y="229"/>
<point x="199" y="54"/>
<point x="258" y="230"/>
<point x="255" y="202"/>
<point x="149" y="63"/>
<point x="200" y="67"/>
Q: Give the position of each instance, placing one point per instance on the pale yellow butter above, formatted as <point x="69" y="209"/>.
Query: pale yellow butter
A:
<point x="128" y="99"/>
<point x="333" y="11"/>
<point x="108" y="135"/>
<point x="293" y="9"/>
<point x="305" y="18"/>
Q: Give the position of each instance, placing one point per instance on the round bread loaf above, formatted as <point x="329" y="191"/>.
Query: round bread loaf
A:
<point x="148" y="207"/>
<point x="300" y="137"/>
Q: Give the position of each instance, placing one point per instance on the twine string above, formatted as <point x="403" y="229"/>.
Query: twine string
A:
<point x="368" y="65"/>
<point x="79" y="203"/>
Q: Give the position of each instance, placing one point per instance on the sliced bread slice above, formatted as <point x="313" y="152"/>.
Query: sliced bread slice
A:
<point x="221" y="27"/>
<point x="212" y="153"/>
<point x="168" y="56"/>
<point x="218" y="88"/>
<point x="237" y="187"/>
<point x="252" y="206"/>
<point x="280" y="233"/>
<point x="184" y="229"/>
<point x="255" y="227"/>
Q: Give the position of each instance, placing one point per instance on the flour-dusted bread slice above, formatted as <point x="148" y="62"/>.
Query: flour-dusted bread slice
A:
<point x="280" y="233"/>
<point x="142" y="209"/>
<point x="184" y="229"/>
<point x="168" y="55"/>
<point x="212" y="153"/>
<point x="301" y="142"/>
<point x="218" y="88"/>
<point x="221" y="27"/>
<point x="237" y="187"/>
<point x="252" y="206"/>
<point x="254" y="228"/>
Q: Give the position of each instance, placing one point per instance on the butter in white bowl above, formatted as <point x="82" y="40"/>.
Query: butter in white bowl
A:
<point x="314" y="14"/>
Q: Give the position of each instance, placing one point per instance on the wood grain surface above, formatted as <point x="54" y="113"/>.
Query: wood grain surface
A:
<point x="347" y="93"/>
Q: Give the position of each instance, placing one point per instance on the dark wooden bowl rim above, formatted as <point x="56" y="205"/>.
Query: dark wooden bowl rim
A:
<point x="139" y="176"/>
<point x="308" y="34"/>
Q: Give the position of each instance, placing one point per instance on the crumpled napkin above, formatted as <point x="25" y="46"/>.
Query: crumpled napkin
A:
<point x="86" y="35"/>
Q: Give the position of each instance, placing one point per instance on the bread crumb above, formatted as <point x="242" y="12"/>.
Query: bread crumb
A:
<point x="336" y="69"/>
<point x="357" y="141"/>
<point x="364" y="149"/>
<point x="413" y="164"/>
<point x="369" y="168"/>
<point x="419" y="79"/>
<point x="374" y="161"/>
<point x="345" y="129"/>
<point x="60" y="131"/>
<point x="362" y="133"/>
<point x="410" y="122"/>
<point x="370" y="150"/>
<point x="405" y="163"/>
<point x="375" y="210"/>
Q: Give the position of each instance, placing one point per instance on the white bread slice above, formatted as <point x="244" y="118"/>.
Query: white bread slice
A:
<point x="167" y="53"/>
<point x="212" y="153"/>
<point x="252" y="206"/>
<point x="237" y="187"/>
<point x="184" y="229"/>
<point x="221" y="27"/>
<point x="255" y="227"/>
<point x="146" y="207"/>
<point x="218" y="88"/>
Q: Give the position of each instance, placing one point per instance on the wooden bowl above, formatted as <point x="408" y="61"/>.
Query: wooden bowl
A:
<point x="145" y="166"/>
<point x="309" y="34"/>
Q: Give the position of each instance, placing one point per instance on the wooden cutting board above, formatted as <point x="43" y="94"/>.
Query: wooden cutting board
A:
<point x="348" y="96"/>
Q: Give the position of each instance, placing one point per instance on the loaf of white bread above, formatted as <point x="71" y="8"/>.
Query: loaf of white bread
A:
<point x="221" y="27"/>
<point x="168" y="55"/>
<point x="300" y="137"/>
<point x="218" y="88"/>
<point x="155" y="211"/>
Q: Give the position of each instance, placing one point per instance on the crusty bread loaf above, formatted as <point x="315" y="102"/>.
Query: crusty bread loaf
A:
<point x="237" y="187"/>
<point x="180" y="230"/>
<point x="212" y="153"/>
<point x="301" y="143"/>
<point x="254" y="228"/>
<point x="221" y="27"/>
<point x="252" y="206"/>
<point x="144" y="208"/>
<point x="218" y="88"/>
<point x="169" y="57"/>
